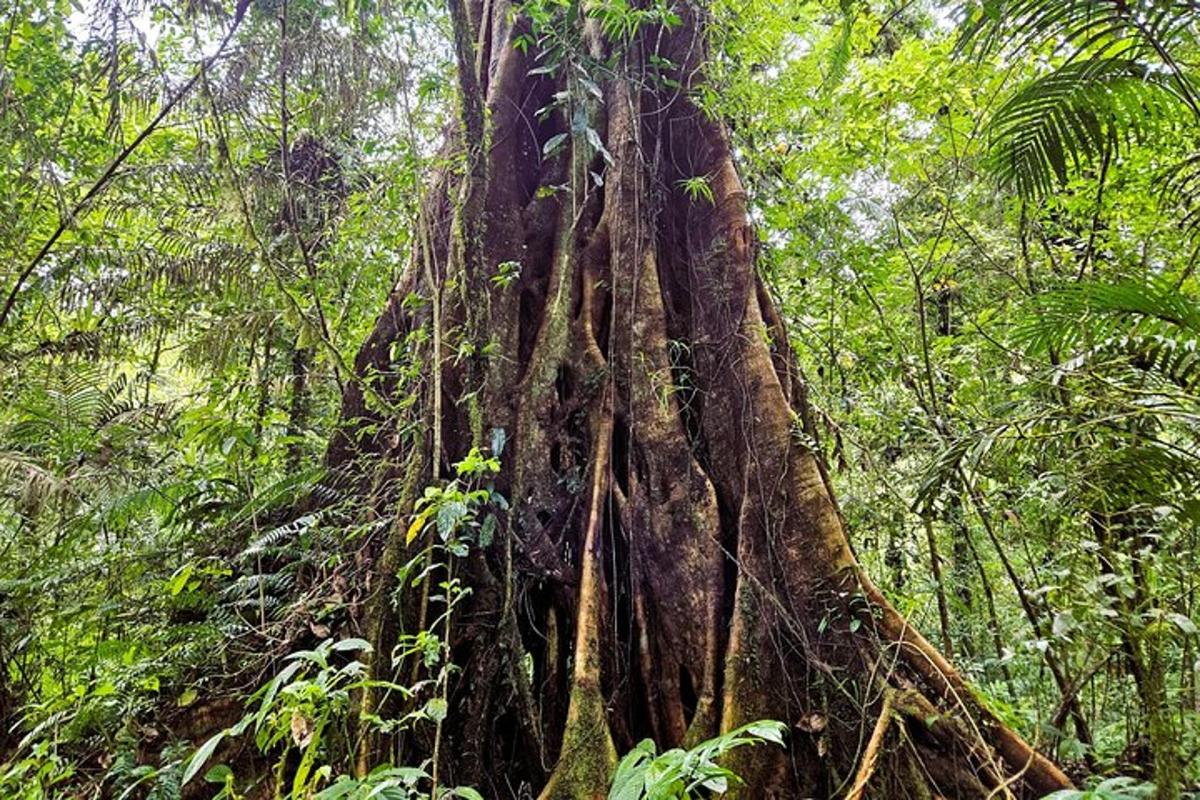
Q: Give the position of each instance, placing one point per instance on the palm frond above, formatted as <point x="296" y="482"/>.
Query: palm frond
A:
<point x="1073" y="116"/>
<point x="1147" y="363"/>
<point x="1092" y="28"/>
<point x="1087" y="315"/>
<point x="1181" y="188"/>
<point x="1175" y="360"/>
<point x="1148" y="470"/>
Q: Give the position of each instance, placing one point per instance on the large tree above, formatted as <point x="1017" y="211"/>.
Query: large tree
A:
<point x="674" y="563"/>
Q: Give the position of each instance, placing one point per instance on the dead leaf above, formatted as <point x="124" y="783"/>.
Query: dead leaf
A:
<point x="302" y="730"/>
<point x="812" y="723"/>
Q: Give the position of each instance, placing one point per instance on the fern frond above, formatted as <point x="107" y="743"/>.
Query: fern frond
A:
<point x="282" y="493"/>
<point x="249" y="586"/>
<point x="174" y="260"/>
<point x="29" y="484"/>
<point x="275" y="538"/>
<point x="223" y="338"/>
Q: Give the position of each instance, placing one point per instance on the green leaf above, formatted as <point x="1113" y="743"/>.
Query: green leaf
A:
<point x="436" y="709"/>
<point x="340" y="788"/>
<point x="180" y="579"/>
<point x="221" y="773"/>
<point x="628" y="781"/>
<point x="200" y="757"/>
<point x="767" y="729"/>
<point x="499" y="435"/>
<point x="449" y="515"/>
<point x="487" y="530"/>
<point x="1183" y="623"/>
<point x="553" y="144"/>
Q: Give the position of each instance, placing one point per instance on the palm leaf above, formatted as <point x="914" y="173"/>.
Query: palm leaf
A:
<point x="1087" y="28"/>
<point x="1181" y="187"/>
<point x="1074" y="115"/>
<point x="1123" y="314"/>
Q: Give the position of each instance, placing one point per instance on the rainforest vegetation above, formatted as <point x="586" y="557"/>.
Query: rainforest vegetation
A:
<point x="583" y="399"/>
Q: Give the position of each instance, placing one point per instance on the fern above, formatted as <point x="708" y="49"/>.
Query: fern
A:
<point x="283" y="494"/>
<point x="282" y="535"/>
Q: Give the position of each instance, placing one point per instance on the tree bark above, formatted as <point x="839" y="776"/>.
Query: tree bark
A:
<point x="674" y="564"/>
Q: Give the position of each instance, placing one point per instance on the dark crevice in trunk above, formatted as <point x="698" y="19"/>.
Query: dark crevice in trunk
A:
<point x="621" y="455"/>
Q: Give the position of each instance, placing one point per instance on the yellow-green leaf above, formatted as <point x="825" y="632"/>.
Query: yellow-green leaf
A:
<point x="415" y="528"/>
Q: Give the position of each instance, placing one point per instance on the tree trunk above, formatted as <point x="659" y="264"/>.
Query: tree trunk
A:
<point x="298" y="408"/>
<point x="674" y="564"/>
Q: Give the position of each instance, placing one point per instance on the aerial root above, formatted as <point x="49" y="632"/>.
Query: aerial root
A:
<point x="588" y="756"/>
<point x="871" y="756"/>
